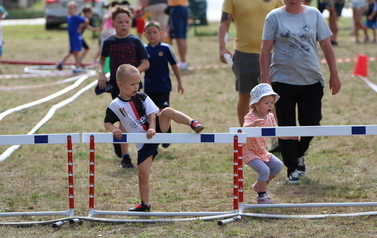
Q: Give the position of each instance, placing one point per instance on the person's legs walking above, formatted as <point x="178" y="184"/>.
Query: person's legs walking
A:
<point x="286" y="114"/>
<point x="246" y="71"/>
<point x="178" y="30"/>
<point x="309" y="107"/>
<point x="242" y="106"/>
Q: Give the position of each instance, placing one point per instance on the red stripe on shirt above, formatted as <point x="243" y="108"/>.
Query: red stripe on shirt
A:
<point x="136" y="113"/>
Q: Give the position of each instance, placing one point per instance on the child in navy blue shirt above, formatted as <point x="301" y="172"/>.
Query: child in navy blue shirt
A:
<point x="76" y="24"/>
<point x="157" y="83"/>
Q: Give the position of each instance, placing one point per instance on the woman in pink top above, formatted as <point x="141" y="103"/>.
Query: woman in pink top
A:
<point x="255" y="155"/>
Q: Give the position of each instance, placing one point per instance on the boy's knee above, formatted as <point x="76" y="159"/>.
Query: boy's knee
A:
<point x="166" y="110"/>
<point x="143" y="176"/>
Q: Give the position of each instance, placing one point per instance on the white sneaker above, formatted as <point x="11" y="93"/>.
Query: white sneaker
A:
<point x="183" y="66"/>
<point x="294" y="177"/>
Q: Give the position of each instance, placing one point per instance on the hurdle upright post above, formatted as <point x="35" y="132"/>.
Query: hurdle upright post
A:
<point x="91" y="174"/>
<point x="240" y="174"/>
<point x="235" y="175"/>
<point x="71" y="190"/>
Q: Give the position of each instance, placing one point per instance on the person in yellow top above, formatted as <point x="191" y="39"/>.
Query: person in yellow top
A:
<point x="249" y="18"/>
<point x="178" y="27"/>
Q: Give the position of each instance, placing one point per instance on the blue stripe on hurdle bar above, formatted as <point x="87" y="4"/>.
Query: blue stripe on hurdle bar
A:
<point x="123" y="139"/>
<point x="268" y="132"/>
<point x="41" y="139"/>
<point x="359" y="130"/>
<point x="209" y="138"/>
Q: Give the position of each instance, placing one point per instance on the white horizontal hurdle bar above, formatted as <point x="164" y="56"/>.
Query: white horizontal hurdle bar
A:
<point x="307" y="131"/>
<point x="47" y="213"/>
<point x="38" y="139"/>
<point x="181" y="138"/>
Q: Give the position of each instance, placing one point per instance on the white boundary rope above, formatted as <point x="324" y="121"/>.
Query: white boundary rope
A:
<point x="47" y="117"/>
<point x="81" y="78"/>
<point x="369" y="83"/>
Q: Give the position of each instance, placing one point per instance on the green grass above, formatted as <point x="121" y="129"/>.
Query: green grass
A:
<point x="185" y="177"/>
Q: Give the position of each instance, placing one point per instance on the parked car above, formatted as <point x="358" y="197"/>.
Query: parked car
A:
<point x="55" y="11"/>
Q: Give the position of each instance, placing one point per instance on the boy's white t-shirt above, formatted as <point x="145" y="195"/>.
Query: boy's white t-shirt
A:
<point x="133" y="114"/>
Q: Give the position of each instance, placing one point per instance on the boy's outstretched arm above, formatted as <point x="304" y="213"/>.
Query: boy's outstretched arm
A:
<point x="144" y="65"/>
<point x="83" y="25"/>
<point x="177" y="74"/>
<point x="101" y="74"/>
<point x="113" y="129"/>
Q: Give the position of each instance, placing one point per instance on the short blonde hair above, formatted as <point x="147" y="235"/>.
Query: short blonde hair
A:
<point x="125" y="69"/>
<point x="72" y="3"/>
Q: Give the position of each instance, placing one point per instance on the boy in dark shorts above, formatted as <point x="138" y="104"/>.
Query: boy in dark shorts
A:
<point x="138" y="114"/>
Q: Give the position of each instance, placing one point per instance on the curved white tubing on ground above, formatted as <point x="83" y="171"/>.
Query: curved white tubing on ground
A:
<point x="52" y="111"/>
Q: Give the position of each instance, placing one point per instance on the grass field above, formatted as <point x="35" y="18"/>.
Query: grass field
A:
<point x="185" y="177"/>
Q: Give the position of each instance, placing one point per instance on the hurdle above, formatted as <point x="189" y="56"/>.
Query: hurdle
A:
<point x="68" y="139"/>
<point x="351" y="130"/>
<point x="186" y="138"/>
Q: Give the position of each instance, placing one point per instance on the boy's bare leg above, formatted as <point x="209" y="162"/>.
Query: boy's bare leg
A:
<point x="168" y="114"/>
<point x="76" y="55"/>
<point x="123" y="146"/>
<point x="144" y="171"/>
<point x="182" y="49"/>
<point x="243" y="106"/>
<point x="83" y="54"/>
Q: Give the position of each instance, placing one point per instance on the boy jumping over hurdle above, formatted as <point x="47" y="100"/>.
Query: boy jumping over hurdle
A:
<point x="138" y="114"/>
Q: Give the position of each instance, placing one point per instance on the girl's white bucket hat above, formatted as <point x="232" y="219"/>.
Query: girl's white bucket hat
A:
<point x="260" y="91"/>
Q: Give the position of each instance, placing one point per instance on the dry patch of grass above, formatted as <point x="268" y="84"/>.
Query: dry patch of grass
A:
<point x="185" y="177"/>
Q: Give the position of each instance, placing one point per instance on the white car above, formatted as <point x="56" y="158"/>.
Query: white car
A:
<point x="55" y="11"/>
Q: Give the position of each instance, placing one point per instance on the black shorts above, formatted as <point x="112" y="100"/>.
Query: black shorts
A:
<point x="160" y="99"/>
<point x="84" y="44"/>
<point x="148" y="149"/>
